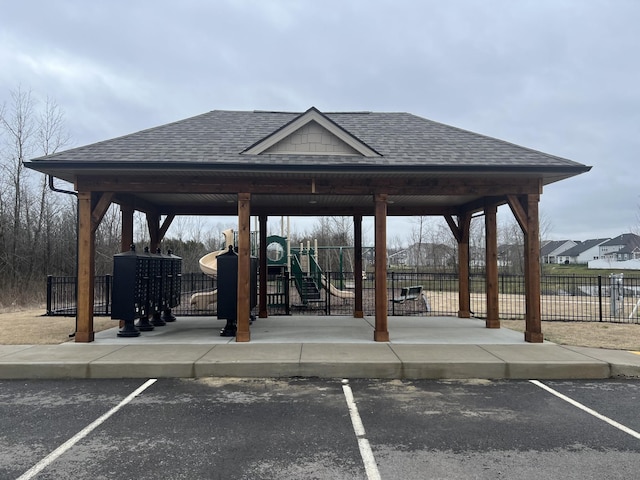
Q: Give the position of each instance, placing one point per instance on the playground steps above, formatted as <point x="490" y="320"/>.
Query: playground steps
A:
<point x="309" y="291"/>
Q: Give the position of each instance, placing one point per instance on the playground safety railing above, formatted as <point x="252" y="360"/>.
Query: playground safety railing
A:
<point x="297" y="274"/>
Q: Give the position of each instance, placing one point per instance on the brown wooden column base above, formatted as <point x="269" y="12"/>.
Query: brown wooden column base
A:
<point x="492" y="323"/>
<point x="381" y="336"/>
<point x="84" y="337"/>
<point x="464" y="314"/>
<point x="381" y="330"/>
<point x="358" y="314"/>
<point x="533" y="337"/>
<point x="263" y="314"/>
<point x="243" y="336"/>
<point x="243" y="309"/>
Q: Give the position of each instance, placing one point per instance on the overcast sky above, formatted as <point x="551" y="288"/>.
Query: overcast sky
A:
<point x="559" y="76"/>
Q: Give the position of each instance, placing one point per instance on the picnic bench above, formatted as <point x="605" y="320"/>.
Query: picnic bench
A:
<point x="412" y="293"/>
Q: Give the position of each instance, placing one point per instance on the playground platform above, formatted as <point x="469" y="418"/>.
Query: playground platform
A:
<point x="330" y="346"/>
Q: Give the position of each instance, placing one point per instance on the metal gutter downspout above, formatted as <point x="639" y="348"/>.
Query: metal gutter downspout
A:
<point x="57" y="190"/>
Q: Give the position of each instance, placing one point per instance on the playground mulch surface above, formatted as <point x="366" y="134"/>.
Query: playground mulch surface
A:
<point x="32" y="326"/>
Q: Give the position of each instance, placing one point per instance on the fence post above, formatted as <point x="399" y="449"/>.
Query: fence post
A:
<point x="49" y="287"/>
<point x="287" y="296"/>
<point x="393" y="293"/>
<point x="327" y="293"/>
<point x="600" y="296"/>
<point x="107" y="293"/>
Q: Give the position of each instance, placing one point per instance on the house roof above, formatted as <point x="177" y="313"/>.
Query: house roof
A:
<point x="308" y="146"/>
<point x="583" y="247"/>
<point x="553" y="246"/>
<point x="626" y="239"/>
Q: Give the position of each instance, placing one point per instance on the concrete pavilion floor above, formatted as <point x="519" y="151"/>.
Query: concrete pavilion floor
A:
<point x="324" y="329"/>
<point x="322" y="346"/>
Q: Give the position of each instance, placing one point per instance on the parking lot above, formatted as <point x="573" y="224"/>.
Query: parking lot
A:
<point x="299" y="428"/>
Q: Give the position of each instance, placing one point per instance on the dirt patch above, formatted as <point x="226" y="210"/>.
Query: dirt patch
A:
<point x="29" y="327"/>
<point x="616" y="336"/>
<point x="33" y="327"/>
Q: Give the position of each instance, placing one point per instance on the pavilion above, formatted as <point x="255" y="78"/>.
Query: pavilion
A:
<point x="264" y="163"/>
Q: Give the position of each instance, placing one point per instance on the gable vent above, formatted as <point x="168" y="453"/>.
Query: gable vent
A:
<point x="311" y="133"/>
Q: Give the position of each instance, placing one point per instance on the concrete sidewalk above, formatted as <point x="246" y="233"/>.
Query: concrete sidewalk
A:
<point x="419" y="347"/>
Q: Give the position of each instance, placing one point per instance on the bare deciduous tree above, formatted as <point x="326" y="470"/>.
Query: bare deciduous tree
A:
<point x="28" y="212"/>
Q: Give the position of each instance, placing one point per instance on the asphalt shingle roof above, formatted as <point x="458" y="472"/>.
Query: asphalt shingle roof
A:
<point x="219" y="137"/>
<point x="626" y="239"/>
<point x="551" y="246"/>
<point x="583" y="247"/>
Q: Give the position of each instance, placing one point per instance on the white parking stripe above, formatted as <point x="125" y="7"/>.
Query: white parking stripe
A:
<point x="370" y="465"/>
<point x="49" y="459"/>
<point x="611" y="422"/>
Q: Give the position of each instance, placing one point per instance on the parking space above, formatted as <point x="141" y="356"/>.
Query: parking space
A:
<point x="618" y="400"/>
<point x="303" y="428"/>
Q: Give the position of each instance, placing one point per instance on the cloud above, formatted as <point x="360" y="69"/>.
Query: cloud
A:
<point x="558" y="76"/>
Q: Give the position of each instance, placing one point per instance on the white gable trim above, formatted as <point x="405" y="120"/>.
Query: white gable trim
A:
<point x="311" y="115"/>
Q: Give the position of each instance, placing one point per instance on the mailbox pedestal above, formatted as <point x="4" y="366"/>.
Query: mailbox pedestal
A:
<point x="228" y="290"/>
<point x="143" y="284"/>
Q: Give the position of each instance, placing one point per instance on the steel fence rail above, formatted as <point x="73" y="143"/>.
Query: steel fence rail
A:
<point x="563" y="298"/>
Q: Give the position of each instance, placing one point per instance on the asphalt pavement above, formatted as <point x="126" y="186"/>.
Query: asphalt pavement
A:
<point x="313" y="428"/>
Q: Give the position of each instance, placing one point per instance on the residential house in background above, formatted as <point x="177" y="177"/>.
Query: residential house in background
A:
<point x="510" y="258"/>
<point x="437" y="256"/>
<point x="623" y="247"/>
<point x="582" y="253"/>
<point x="551" y="249"/>
<point x="434" y="256"/>
<point x="478" y="257"/>
<point x="396" y="257"/>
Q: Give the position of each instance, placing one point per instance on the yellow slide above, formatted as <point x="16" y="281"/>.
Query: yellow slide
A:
<point x="209" y="266"/>
<point x="335" y="292"/>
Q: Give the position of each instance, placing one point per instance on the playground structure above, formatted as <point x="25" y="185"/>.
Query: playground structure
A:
<point x="301" y="265"/>
<point x="209" y="266"/>
<point x="284" y="262"/>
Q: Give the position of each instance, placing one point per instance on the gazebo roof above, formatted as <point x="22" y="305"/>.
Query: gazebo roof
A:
<point x="330" y="163"/>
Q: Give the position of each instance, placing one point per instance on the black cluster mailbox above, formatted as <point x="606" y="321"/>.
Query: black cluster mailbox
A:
<point x="144" y="284"/>
<point x="228" y="290"/>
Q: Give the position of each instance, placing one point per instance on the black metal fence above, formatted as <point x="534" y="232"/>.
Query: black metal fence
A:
<point x="563" y="298"/>
<point x="61" y="295"/>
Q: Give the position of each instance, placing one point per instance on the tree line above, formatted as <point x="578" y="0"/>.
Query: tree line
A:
<point x="38" y="218"/>
<point x="37" y="229"/>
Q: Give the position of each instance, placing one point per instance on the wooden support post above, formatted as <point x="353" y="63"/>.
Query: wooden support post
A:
<point x="533" y="323"/>
<point x="460" y="231"/>
<point x="91" y="209"/>
<point x="491" y="231"/>
<point x="162" y="231"/>
<point x="244" y="267"/>
<point x="86" y="270"/>
<point x="381" y="333"/>
<point x="358" y="311"/>
<point x="153" y="225"/>
<point x="157" y="231"/>
<point x="126" y="239"/>
<point x="262" y="309"/>
<point x="525" y="210"/>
